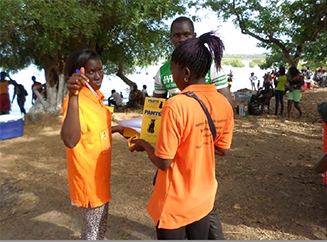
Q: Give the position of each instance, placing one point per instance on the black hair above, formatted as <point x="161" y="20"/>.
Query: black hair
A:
<point x="113" y="91"/>
<point x="193" y="53"/>
<point x="77" y="59"/>
<point x="281" y="70"/>
<point x="294" y="71"/>
<point x="144" y="86"/>
<point x="180" y="20"/>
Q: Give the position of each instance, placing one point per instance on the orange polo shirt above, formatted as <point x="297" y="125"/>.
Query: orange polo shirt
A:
<point x="89" y="162"/>
<point x="185" y="192"/>
<point x="4" y="87"/>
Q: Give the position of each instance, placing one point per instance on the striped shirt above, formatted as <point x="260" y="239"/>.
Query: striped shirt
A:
<point x="164" y="80"/>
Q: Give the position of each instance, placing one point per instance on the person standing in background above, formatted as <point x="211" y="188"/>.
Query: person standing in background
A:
<point x="4" y="93"/>
<point x="295" y="80"/>
<point x="253" y="78"/>
<point x="35" y="83"/>
<point x="182" y="29"/>
<point x="21" y="93"/>
<point x="144" y="92"/>
<point x="280" y="90"/>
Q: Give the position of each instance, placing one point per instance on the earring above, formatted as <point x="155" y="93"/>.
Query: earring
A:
<point x="185" y="79"/>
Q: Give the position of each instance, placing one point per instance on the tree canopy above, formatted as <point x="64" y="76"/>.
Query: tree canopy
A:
<point x="46" y="32"/>
<point x="291" y="30"/>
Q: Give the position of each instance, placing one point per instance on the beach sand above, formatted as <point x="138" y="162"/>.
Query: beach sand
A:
<point x="268" y="189"/>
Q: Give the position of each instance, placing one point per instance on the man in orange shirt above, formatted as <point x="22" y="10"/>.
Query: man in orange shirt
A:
<point x="185" y="188"/>
<point x="4" y="94"/>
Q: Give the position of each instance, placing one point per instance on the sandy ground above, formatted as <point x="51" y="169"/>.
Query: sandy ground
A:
<point x="267" y="187"/>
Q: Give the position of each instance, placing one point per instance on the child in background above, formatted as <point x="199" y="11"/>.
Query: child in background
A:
<point x="86" y="131"/>
<point x="185" y="188"/>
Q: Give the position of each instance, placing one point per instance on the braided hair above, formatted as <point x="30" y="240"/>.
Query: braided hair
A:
<point x="194" y="54"/>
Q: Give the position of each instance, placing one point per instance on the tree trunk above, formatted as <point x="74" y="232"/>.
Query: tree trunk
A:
<point x="122" y="76"/>
<point x="50" y="102"/>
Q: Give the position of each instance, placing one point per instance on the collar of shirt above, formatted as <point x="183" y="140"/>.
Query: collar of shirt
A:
<point x="87" y="92"/>
<point x="200" y="88"/>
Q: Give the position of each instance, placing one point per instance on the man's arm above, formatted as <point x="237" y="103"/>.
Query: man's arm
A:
<point x="159" y="86"/>
<point x="164" y="95"/>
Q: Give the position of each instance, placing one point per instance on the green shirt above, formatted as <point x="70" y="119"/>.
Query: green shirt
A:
<point x="281" y="81"/>
<point x="164" y="80"/>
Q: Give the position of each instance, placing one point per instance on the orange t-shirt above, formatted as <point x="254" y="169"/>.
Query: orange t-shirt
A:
<point x="185" y="192"/>
<point x="4" y="87"/>
<point x="89" y="162"/>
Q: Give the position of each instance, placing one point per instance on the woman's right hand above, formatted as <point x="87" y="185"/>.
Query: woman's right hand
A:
<point x="76" y="82"/>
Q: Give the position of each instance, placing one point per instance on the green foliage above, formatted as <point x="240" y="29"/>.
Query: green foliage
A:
<point x="253" y="63"/>
<point x="315" y="53"/>
<point x="287" y="28"/>
<point x="233" y="63"/>
<point x="244" y="56"/>
<point x="122" y="31"/>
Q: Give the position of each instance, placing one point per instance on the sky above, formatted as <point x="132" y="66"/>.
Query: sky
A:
<point x="235" y="42"/>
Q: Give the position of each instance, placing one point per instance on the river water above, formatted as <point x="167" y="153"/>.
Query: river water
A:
<point x="143" y="76"/>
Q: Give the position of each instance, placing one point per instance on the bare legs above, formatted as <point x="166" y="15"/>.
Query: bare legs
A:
<point x="289" y="108"/>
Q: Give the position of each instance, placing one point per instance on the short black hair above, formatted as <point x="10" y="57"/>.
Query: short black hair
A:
<point x="180" y="20"/>
<point x="282" y="70"/>
<point x="294" y="71"/>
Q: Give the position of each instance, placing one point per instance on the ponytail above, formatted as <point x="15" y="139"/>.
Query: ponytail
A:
<point x="197" y="53"/>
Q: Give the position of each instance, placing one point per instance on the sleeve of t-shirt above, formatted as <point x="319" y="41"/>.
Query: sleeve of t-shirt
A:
<point x="159" y="88"/>
<point x="225" y="139"/>
<point x="169" y="136"/>
<point x="219" y="78"/>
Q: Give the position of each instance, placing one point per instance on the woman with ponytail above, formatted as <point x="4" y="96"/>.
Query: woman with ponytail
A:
<point x="188" y="140"/>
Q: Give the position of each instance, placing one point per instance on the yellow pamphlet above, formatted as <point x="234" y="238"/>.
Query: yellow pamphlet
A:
<point x="151" y="119"/>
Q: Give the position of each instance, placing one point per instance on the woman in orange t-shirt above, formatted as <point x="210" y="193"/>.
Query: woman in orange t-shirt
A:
<point x="86" y="131"/>
<point x="185" y="188"/>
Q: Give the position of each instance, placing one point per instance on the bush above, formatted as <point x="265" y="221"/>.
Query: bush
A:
<point x="234" y="63"/>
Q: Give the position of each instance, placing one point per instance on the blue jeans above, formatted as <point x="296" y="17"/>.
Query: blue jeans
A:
<point x="279" y="97"/>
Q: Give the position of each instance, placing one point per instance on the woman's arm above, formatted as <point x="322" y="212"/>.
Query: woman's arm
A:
<point x="71" y="128"/>
<point x="220" y="151"/>
<point x="117" y="128"/>
<point x="141" y="145"/>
